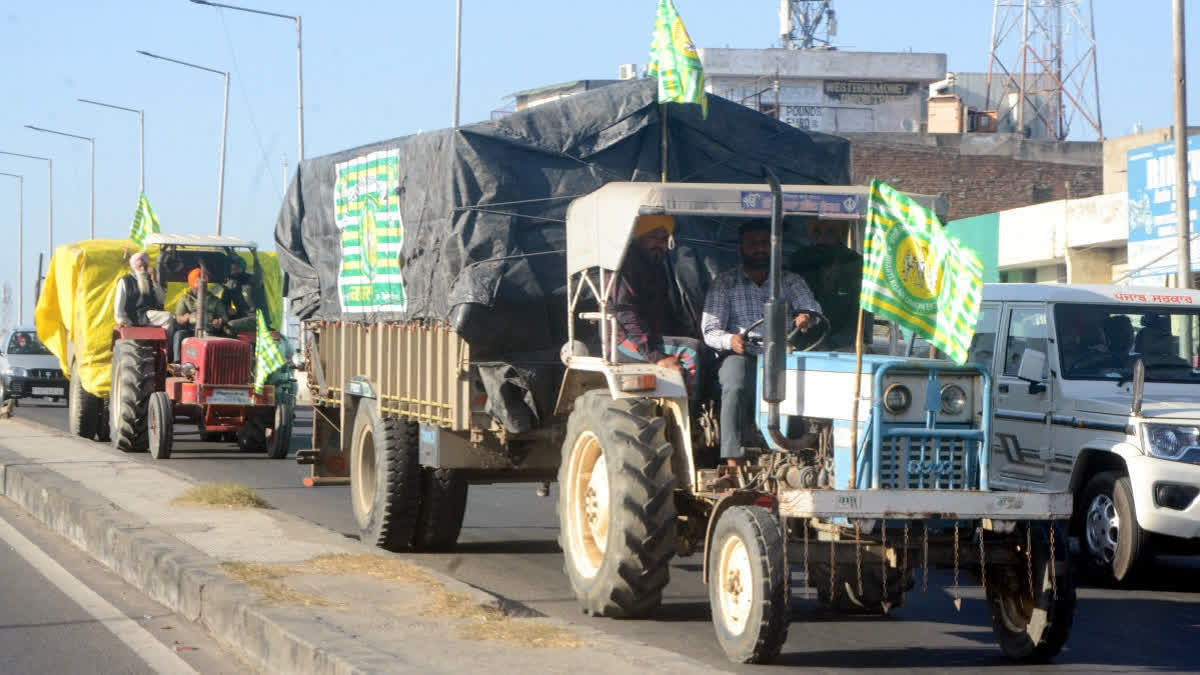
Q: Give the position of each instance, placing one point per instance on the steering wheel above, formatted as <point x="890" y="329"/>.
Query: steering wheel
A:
<point x="821" y="331"/>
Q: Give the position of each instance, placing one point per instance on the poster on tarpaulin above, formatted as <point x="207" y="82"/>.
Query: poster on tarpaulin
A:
<point x="1153" y="223"/>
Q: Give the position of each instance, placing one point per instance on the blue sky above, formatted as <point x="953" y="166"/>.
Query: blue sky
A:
<point x="377" y="70"/>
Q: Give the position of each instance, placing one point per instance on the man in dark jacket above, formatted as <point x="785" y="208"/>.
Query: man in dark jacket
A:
<point x="648" y="328"/>
<point x="833" y="272"/>
<point x="240" y="293"/>
<point x="139" y="298"/>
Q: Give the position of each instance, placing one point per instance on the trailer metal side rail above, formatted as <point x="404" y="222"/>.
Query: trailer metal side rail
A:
<point x="925" y="504"/>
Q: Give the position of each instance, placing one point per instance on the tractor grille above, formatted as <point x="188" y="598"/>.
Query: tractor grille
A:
<point x="929" y="463"/>
<point x="227" y="362"/>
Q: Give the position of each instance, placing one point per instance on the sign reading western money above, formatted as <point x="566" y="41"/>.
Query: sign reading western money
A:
<point x="367" y="213"/>
<point x="856" y="92"/>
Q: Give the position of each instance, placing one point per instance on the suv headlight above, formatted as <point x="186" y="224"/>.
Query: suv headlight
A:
<point x="954" y="400"/>
<point x="14" y="371"/>
<point x="1172" y="442"/>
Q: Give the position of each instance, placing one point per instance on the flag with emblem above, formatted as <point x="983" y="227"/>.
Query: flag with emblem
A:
<point x="144" y="222"/>
<point x="674" y="60"/>
<point x="916" y="275"/>
<point x="267" y="357"/>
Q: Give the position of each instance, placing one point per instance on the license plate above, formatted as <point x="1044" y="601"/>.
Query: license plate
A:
<point x="231" y="396"/>
<point x="47" y="391"/>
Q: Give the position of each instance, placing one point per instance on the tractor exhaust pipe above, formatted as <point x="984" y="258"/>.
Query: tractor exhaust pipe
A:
<point x="775" y="320"/>
<point x="201" y="296"/>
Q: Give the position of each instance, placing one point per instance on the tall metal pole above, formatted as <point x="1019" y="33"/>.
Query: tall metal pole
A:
<point x="299" y="90"/>
<point x="50" y="211"/>
<point x="20" y="245"/>
<point x="1183" y="233"/>
<point x="221" y="177"/>
<point x="1024" y="65"/>
<point x="457" y="57"/>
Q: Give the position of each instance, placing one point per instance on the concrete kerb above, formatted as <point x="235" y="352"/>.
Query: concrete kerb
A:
<point x="275" y="638"/>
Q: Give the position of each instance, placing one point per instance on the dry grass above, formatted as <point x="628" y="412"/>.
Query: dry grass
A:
<point x="266" y="578"/>
<point x="478" y="622"/>
<point x="229" y="495"/>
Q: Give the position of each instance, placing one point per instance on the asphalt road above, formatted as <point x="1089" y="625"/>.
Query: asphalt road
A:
<point x="508" y="546"/>
<point x="62" y="612"/>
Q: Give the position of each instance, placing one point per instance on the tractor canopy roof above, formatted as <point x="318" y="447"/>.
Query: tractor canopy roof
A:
<point x="213" y="241"/>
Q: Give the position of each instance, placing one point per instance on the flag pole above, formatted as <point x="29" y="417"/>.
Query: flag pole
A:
<point x="858" y="354"/>
<point x="663" y="119"/>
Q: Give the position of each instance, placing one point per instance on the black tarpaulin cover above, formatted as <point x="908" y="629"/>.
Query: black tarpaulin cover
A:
<point x="466" y="226"/>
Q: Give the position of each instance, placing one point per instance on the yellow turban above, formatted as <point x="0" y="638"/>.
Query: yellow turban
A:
<point x="648" y="224"/>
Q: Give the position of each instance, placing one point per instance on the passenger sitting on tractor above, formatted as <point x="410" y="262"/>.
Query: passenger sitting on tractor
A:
<point x="648" y="327"/>
<point x="833" y="272"/>
<point x="139" y="298"/>
<point x="239" y="292"/>
<point x="734" y="303"/>
<point x="215" y="317"/>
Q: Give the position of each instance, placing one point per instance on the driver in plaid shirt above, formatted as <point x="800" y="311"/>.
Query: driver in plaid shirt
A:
<point x="735" y="301"/>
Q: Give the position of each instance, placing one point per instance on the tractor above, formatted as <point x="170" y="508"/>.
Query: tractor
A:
<point x="202" y="379"/>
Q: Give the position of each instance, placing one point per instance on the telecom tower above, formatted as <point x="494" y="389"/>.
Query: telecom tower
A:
<point x="807" y="24"/>
<point x="1042" y="72"/>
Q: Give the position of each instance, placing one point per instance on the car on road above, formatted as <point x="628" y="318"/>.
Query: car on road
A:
<point x="28" y="369"/>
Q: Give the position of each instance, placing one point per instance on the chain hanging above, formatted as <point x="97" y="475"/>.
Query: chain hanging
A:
<point x="982" y="562"/>
<point x="1053" y="564"/>
<point x="924" y="557"/>
<point x="807" y="578"/>
<point x="957" y="597"/>
<point x="883" y="565"/>
<point x="858" y="557"/>
<point x="1029" y="558"/>
<point x="832" y="570"/>
<point x="904" y="565"/>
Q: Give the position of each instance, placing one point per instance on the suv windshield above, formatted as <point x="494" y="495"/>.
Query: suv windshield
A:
<point x="1101" y="342"/>
<point x="26" y="343"/>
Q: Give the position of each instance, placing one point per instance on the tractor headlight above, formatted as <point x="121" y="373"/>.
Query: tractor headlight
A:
<point x="954" y="400"/>
<point x="897" y="398"/>
<point x="1171" y="442"/>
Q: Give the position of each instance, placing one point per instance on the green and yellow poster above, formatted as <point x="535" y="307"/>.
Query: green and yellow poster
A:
<point x="367" y="213"/>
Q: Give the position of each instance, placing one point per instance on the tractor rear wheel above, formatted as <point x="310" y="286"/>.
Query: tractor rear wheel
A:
<point x="616" y="508"/>
<point x="1032" y="624"/>
<point x="385" y="479"/>
<point x="160" y="425"/>
<point x="132" y="384"/>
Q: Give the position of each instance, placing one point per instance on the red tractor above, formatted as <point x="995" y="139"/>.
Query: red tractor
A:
<point x="202" y="379"/>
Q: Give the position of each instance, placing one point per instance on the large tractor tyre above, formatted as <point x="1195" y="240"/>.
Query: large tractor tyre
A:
<point x="252" y="436"/>
<point x="160" y="425"/>
<point x="103" y="422"/>
<point x="846" y="598"/>
<point x="749" y="587"/>
<point x="1114" y="547"/>
<point x="385" y="479"/>
<point x="616" y="505"/>
<point x="83" y="408"/>
<point x="280" y="442"/>
<point x="132" y="384"/>
<point x="443" y="503"/>
<point x="1032" y="625"/>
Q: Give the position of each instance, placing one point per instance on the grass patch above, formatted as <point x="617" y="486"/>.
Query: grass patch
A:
<point x="266" y="578"/>
<point x="524" y="632"/>
<point x="230" y="495"/>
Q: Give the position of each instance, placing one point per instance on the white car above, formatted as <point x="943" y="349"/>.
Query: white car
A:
<point x="28" y="369"/>
<point x="1068" y="414"/>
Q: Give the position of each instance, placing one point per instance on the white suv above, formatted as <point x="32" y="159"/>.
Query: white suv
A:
<point x="1067" y="415"/>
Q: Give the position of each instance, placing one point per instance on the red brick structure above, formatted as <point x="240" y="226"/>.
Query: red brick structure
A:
<point x="978" y="173"/>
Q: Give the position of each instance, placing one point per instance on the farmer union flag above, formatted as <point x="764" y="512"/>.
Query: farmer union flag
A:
<point x="367" y="214"/>
<point x="917" y="276"/>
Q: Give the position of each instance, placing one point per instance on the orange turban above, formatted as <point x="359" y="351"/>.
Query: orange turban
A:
<point x="193" y="277"/>
<point x="648" y="224"/>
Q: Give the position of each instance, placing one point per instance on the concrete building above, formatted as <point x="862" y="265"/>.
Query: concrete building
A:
<point x="828" y="90"/>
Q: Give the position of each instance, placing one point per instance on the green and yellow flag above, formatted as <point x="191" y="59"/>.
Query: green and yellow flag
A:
<point x="144" y="222"/>
<point x="267" y="357"/>
<point x="673" y="59"/>
<point x="917" y="276"/>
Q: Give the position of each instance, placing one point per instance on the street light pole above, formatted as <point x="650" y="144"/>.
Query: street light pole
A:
<point x="20" y="245"/>
<point x="224" y="127"/>
<point x="50" y="189"/>
<point x="92" y="174"/>
<point x="299" y="63"/>
<point x="141" y="139"/>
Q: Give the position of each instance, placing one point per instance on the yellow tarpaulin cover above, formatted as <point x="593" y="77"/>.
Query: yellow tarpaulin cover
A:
<point x="74" y="315"/>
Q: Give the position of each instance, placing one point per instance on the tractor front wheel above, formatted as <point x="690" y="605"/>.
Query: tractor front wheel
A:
<point x="160" y="425"/>
<point x="748" y="585"/>
<point x="1032" y="624"/>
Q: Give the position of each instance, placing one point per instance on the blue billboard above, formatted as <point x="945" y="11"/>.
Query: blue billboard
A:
<point x="1152" y="220"/>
